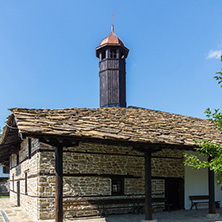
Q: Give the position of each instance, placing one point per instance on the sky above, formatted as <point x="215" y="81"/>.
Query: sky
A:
<point x="47" y="53"/>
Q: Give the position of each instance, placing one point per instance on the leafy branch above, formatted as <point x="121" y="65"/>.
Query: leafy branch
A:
<point x="208" y="149"/>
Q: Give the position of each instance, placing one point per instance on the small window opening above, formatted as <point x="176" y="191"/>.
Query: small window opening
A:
<point x="103" y="55"/>
<point x="118" y="186"/>
<point x="113" y="54"/>
<point x="122" y="56"/>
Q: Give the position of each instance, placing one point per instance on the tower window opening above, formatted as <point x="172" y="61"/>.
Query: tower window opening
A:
<point x="103" y="55"/>
<point x="113" y="54"/>
<point x="122" y="56"/>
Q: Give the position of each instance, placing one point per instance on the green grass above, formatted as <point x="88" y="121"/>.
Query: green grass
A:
<point x="4" y="196"/>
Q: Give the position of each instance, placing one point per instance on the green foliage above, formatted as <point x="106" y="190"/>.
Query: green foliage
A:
<point x="208" y="149"/>
<point x="194" y="162"/>
<point x="213" y="158"/>
<point x="215" y="117"/>
<point x="218" y="76"/>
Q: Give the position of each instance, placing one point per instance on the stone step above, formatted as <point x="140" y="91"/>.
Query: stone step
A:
<point x="80" y="219"/>
<point x="87" y="219"/>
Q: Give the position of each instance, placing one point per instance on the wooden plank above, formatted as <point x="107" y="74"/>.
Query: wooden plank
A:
<point x="148" y="190"/>
<point x="203" y="197"/>
<point x="59" y="183"/>
<point x="211" y="183"/>
<point x="18" y="193"/>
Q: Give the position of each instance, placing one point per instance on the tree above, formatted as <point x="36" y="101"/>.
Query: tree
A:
<point x="211" y="151"/>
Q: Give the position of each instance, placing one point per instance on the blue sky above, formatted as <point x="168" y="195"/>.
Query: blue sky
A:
<point x="47" y="53"/>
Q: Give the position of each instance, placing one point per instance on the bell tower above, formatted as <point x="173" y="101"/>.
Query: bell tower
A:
<point x="112" y="71"/>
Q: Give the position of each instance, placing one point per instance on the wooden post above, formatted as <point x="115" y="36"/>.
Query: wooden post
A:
<point x="59" y="184"/>
<point x="18" y="193"/>
<point x="212" y="207"/>
<point x="148" y="188"/>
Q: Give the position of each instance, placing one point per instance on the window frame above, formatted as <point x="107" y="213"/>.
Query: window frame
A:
<point x="113" y="53"/>
<point x="103" y="55"/>
<point x="120" y="190"/>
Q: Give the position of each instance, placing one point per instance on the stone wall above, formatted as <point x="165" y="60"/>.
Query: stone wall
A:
<point x="88" y="173"/>
<point x="29" y="199"/>
<point x="168" y="163"/>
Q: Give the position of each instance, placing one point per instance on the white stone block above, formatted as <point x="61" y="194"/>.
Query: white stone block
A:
<point x="212" y="216"/>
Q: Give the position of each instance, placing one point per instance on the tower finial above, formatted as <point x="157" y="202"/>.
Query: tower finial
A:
<point x="112" y="29"/>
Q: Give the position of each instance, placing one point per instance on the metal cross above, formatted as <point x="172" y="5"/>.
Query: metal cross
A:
<point x="112" y="18"/>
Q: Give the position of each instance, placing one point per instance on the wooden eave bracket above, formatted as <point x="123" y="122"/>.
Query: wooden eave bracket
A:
<point x="151" y="148"/>
<point x="58" y="141"/>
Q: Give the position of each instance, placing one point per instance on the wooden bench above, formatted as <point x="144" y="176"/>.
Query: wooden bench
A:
<point x="102" y="206"/>
<point x="106" y="204"/>
<point x="157" y="203"/>
<point x="161" y="202"/>
<point x="201" y="199"/>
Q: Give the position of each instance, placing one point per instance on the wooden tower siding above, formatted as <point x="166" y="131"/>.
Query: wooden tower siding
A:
<point x="112" y="54"/>
<point x="112" y="81"/>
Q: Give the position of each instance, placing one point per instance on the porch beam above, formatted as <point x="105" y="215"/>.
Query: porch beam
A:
<point x="59" y="183"/>
<point x="148" y="188"/>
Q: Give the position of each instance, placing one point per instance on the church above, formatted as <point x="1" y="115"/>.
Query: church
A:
<point x="79" y="162"/>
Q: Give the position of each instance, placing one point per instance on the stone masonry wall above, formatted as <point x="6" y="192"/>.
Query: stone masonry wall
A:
<point x="88" y="171"/>
<point x="29" y="200"/>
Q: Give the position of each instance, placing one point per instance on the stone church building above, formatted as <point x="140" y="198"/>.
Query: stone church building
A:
<point x="114" y="159"/>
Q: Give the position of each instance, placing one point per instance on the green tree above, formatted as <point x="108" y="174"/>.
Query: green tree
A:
<point x="212" y="153"/>
<point x="208" y="149"/>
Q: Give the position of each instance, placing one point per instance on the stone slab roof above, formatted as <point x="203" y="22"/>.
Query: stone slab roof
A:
<point x="118" y="124"/>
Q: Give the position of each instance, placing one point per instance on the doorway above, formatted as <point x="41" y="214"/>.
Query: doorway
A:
<point x="174" y="192"/>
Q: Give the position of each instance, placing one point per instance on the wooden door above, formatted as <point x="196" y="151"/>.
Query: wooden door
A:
<point x="174" y="192"/>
